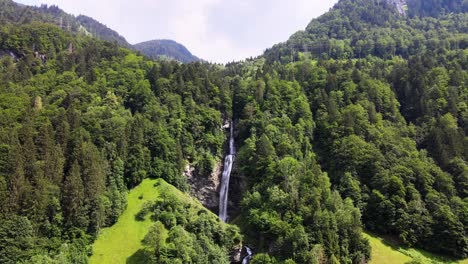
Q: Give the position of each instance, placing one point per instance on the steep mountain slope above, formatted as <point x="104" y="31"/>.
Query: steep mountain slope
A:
<point x="11" y="12"/>
<point x="156" y="49"/>
<point x="356" y="29"/>
<point x="101" y="120"/>
<point x="370" y="73"/>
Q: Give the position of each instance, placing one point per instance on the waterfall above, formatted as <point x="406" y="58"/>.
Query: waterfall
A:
<point x="228" y="161"/>
<point x="248" y="257"/>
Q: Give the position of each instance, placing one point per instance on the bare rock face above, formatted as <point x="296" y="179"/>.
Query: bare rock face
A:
<point x="236" y="255"/>
<point x="205" y="188"/>
<point x="400" y="5"/>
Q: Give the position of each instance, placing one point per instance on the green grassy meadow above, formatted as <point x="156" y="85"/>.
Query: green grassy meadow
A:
<point x="387" y="252"/>
<point x="383" y="253"/>
<point x="118" y="243"/>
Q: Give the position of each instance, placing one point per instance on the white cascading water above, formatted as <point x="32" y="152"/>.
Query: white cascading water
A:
<point x="248" y="257"/>
<point x="228" y="161"/>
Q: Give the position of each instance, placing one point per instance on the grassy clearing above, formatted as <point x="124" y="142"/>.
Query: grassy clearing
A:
<point x="387" y="252"/>
<point x="117" y="243"/>
<point x="383" y="253"/>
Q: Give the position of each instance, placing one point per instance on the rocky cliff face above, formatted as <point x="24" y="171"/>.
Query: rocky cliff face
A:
<point x="400" y="5"/>
<point x="205" y="188"/>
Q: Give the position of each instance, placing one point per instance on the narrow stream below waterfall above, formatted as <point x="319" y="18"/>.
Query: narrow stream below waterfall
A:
<point x="224" y="190"/>
<point x="247" y="258"/>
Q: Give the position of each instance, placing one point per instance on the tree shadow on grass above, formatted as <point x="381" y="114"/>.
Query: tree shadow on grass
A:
<point x="139" y="257"/>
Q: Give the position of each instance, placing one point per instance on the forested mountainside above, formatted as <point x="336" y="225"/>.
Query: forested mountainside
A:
<point x="157" y="49"/>
<point x="436" y="7"/>
<point x="363" y="127"/>
<point x="364" y="62"/>
<point x="11" y="12"/>
<point x="361" y="28"/>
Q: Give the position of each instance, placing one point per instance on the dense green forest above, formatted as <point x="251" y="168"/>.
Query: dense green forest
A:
<point x="359" y="121"/>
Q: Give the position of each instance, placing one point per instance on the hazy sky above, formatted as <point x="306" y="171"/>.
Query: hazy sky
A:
<point x="215" y="30"/>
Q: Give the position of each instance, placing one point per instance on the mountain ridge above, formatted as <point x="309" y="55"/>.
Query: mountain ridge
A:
<point x="165" y="48"/>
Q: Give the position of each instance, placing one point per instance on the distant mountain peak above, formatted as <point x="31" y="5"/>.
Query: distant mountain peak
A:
<point x="164" y="48"/>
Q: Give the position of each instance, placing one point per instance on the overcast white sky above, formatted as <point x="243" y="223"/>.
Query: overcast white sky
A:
<point x="215" y="30"/>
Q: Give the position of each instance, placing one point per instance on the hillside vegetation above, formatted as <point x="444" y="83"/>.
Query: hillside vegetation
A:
<point x="132" y="238"/>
